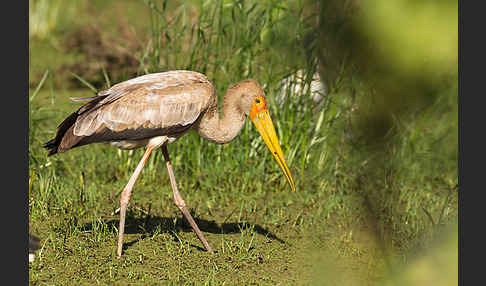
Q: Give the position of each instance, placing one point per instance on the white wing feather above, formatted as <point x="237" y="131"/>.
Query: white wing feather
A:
<point x="158" y="101"/>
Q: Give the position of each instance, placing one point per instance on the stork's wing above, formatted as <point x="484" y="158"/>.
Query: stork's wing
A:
<point x="153" y="101"/>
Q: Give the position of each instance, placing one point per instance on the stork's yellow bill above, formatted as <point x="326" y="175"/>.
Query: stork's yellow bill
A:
<point x="263" y="122"/>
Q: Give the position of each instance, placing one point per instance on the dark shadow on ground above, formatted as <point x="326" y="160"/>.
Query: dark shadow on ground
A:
<point x="148" y="225"/>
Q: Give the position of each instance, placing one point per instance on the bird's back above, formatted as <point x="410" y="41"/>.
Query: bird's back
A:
<point x="159" y="104"/>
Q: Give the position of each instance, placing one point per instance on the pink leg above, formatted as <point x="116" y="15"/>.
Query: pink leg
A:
<point x="125" y="198"/>
<point x="179" y="202"/>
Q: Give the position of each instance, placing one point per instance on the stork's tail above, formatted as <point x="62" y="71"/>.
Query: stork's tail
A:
<point x="53" y="145"/>
<point x="65" y="138"/>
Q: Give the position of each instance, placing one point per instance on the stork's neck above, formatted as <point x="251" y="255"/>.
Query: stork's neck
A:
<point x="225" y="128"/>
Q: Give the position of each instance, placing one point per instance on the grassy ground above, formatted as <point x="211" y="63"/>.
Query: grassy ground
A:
<point x="351" y="221"/>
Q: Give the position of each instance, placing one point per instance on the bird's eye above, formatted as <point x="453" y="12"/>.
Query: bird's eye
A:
<point x="257" y="100"/>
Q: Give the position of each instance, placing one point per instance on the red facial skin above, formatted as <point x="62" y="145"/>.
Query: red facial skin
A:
<point x="258" y="107"/>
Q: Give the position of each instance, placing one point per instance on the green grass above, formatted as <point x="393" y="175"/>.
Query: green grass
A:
<point x="357" y="216"/>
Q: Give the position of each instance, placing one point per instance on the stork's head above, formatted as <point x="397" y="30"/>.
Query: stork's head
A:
<point x="253" y="104"/>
